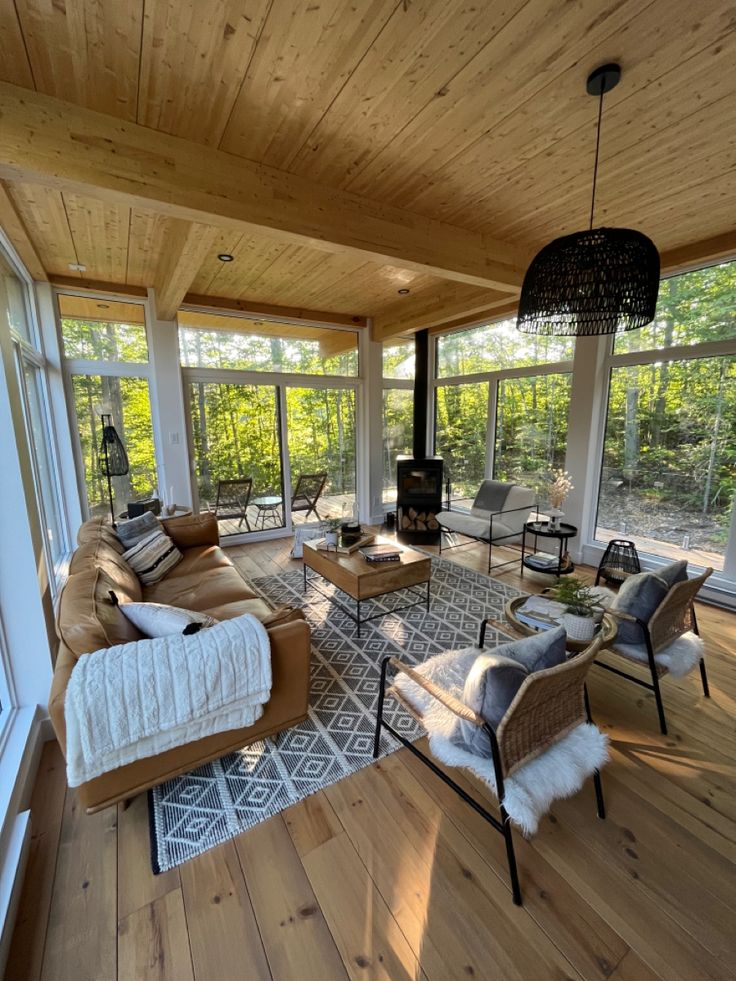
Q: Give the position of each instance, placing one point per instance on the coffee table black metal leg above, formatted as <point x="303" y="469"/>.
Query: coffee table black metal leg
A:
<point x="429" y="583"/>
<point x="304" y="570"/>
<point x="358" y="617"/>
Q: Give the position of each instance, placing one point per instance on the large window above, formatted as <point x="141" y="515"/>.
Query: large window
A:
<point x="502" y="401"/>
<point x="398" y="408"/>
<point x="668" y="476"/>
<point x="244" y="344"/>
<point x="15" y="297"/>
<point x="106" y="350"/>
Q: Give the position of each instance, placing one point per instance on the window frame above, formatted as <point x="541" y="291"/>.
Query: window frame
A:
<point x="680" y="352"/>
<point x="110" y="369"/>
<point x="493" y="378"/>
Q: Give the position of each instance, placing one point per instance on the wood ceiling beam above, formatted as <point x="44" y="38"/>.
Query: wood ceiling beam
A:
<point x="431" y="309"/>
<point x="186" y="246"/>
<point x="97" y="286"/>
<point x="66" y="146"/>
<point x="489" y="315"/>
<point x="717" y="249"/>
<point x="252" y="309"/>
<point x="12" y="225"/>
<point x="338" y="342"/>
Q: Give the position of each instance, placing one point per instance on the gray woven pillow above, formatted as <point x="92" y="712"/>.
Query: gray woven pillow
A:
<point x="490" y="687"/>
<point x="639" y="596"/>
<point x="136" y="529"/>
<point x="546" y="649"/>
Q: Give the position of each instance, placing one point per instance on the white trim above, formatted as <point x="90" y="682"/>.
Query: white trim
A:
<point x="546" y="368"/>
<point x="237" y="376"/>
<point x="683" y="352"/>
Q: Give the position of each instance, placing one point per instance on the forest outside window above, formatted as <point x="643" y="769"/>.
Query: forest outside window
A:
<point x="668" y="478"/>
<point x="106" y="351"/>
<point x="248" y="344"/>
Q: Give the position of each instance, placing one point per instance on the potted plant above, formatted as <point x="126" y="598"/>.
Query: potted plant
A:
<point x="332" y="528"/>
<point x="580" y="602"/>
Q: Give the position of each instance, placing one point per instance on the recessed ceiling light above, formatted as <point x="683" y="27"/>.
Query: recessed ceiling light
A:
<point x="77" y="267"/>
<point x="224" y="257"/>
<point x="403" y="291"/>
<point x="103" y="306"/>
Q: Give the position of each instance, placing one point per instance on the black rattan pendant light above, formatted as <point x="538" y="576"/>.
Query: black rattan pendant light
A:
<point x="600" y="281"/>
<point x="113" y="458"/>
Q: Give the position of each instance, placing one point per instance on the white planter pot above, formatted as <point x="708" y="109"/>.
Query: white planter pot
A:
<point x="331" y="538"/>
<point x="579" y="628"/>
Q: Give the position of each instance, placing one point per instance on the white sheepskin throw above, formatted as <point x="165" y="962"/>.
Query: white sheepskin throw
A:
<point x="558" y="772"/>
<point x="679" y="658"/>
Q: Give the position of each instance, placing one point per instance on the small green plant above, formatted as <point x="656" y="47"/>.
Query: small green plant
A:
<point x="578" y="598"/>
<point x="332" y="524"/>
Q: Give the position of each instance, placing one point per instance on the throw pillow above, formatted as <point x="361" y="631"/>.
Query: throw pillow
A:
<point x="160" y="620"/>
<point x="639" y="596"/>
<point x="153" y="557"/>
<point x="490" y="687"/>
<point x="136" y="529"/>
<point x="546" y="649"/>
<point x="674" y="572"/>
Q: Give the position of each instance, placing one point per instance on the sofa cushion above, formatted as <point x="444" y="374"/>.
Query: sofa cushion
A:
<point x="200" y="593"/>
<point x="546" y="649"/>
<point x="260" y="608"/>
<point x="96" y="528"/>
<point x="159" y="620"/>
<point x="467" y="524"/>
<point x="490" y="688"/>
<point x="189" y="530"/>
<point x="87" y="619"/>
<point x="639" y="596"/>
<point x="99" y="554"/>
<point x="200" y="560"/>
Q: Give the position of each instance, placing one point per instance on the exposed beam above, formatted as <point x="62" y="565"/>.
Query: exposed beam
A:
<point x="97" y="286"/>
<point x="248" y="325"/>
<point x="187" y="243"/>
<point x="719" y="248"/>
<point x="432" y="308"/>
<point x="12" y="225"/>
<point x="249" y="308"/>
<point x="500" y="312"/>
<point x="93" y="308"/>
<point x="337" y="342"/>
<point x="63" y="145"/>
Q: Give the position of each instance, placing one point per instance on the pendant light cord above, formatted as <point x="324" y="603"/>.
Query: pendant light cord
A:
<point x="597" y="148"/>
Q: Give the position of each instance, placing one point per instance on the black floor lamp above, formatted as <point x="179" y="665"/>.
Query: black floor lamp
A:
<point x="113" y="458"/>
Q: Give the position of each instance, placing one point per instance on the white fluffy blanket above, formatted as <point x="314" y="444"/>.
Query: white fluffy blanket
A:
<point x="558" y="772"/>
<point x="134" y="700"/>
<point x="680" y="657"/>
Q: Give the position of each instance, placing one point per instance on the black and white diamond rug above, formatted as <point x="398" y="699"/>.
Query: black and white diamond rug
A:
<point x="201" y="809"/>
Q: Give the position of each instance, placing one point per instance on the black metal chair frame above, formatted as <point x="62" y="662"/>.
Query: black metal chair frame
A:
<point x="490" y="540"/>
<point x="653" y="685"/>
<point x="310" y="501"/>
<point x="231" y="503"/>
<point x="502" y="823"/>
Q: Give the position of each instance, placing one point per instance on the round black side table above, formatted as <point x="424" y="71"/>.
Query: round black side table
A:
<point x="541" y="529"/>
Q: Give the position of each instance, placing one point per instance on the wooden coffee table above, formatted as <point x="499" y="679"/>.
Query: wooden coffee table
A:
<point x="362" y="580"/>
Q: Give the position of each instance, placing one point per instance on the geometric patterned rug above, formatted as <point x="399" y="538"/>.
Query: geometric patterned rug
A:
<point x="201" y="809"/>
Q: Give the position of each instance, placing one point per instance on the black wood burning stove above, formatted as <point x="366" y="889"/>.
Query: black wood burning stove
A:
<point x="419" y="477"/>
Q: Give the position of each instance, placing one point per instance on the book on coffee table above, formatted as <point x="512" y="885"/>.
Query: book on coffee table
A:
<point x="322" y="545"/>
<point x="381" y="553"/>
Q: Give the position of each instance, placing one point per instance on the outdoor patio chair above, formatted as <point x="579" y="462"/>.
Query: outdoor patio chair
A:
<point x="233" y="497"/>
<point x="309" y="487"/>
<point x="497" y="516"/>
<point x="543" y="748"/>
<point x="666" y="639"/>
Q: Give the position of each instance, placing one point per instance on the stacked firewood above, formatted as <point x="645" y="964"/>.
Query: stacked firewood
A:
<point x="413" y="520"/>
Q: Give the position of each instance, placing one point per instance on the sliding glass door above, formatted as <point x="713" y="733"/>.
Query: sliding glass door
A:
<point x="237" y="454"/>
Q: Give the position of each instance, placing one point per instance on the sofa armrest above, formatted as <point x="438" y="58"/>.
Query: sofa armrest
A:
<point x="65" y="662"/>
<point x="191" y="530"/>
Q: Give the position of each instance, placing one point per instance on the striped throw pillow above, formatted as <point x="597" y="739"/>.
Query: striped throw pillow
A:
<point x="153" y="557"/>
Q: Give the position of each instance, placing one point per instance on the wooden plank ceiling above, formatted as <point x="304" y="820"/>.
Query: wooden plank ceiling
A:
<point x="473" y="114"/>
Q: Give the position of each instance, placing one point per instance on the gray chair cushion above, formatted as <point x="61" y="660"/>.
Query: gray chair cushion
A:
<point x="639" y="596"/>
<point x="495" y="678"/>
<point x="674" y="572"/>
<point x="490" y="687"/>
<point x="136" y="529"/>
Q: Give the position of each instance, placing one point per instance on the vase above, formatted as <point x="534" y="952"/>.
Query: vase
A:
<point x="554" y="515"/>
<point x="578" y="628"/>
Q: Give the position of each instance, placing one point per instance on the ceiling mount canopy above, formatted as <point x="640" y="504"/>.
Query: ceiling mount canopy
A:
<point x="599" y="281"/>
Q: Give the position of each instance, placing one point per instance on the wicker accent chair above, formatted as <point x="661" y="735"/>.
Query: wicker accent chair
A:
<point x="307" y="492"/>
<point x="233" y="497"/>
<point x="549" y="704"/>
<point x="674" y="617"/>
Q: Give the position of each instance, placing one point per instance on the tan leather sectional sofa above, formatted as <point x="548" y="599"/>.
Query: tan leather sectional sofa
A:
<point x="206" y="581"/>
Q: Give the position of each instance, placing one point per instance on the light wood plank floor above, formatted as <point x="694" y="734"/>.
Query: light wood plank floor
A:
<point x="388" y="875"/>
